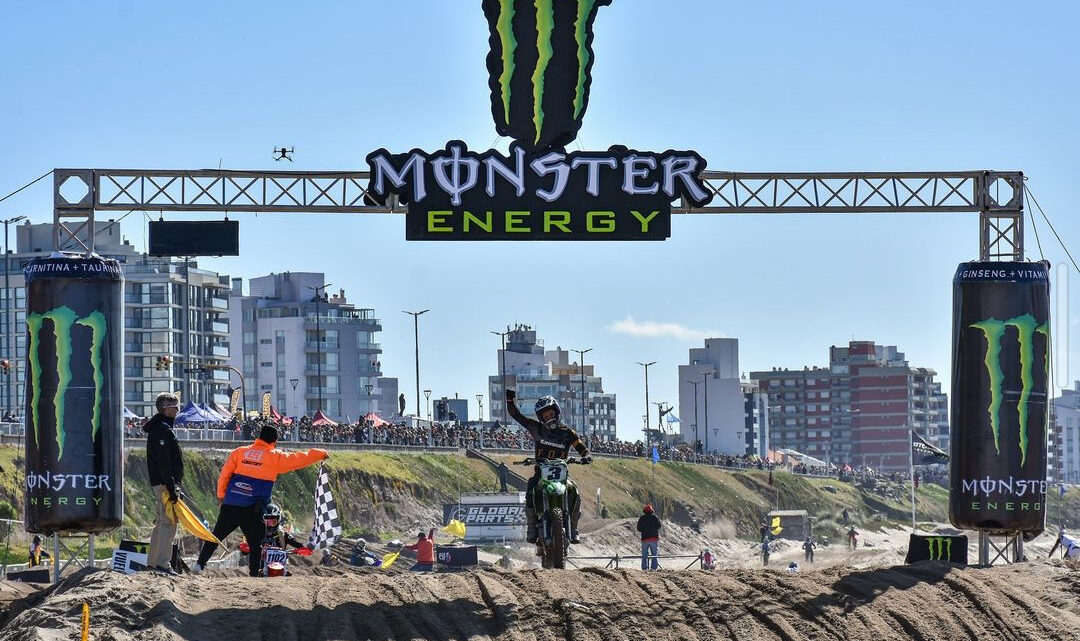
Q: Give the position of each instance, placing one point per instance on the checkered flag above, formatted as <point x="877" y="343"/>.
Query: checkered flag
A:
<point x="327" y="527"/>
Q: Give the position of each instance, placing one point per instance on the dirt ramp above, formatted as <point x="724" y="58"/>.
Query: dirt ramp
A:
<point x="925" y="602"/>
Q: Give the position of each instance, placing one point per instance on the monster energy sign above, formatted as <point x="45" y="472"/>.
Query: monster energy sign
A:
<point x="74" y="444"/>
<point x="1001" y="358"/>
<point x="539" y="72"/>
<point x="62" y="321"/>
<point x="937" y="548"/>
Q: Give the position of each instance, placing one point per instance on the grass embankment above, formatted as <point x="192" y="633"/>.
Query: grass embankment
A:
<point x="387" y="494"/>
<point x="742" y="498"/>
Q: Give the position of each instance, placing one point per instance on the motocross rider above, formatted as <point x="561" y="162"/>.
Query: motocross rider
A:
<point x="275" y="536"/>
<point x="553" y="439"/>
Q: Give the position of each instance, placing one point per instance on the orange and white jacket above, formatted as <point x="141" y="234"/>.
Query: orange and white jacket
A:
<point x="248" y="475"/>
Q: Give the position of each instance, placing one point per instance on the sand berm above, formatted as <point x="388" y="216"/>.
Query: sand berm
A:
<point x="925" y="601"/>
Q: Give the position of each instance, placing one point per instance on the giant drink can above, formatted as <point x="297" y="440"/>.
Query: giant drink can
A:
<point x="74" y="394"/>
<point x="1001" y="359"/>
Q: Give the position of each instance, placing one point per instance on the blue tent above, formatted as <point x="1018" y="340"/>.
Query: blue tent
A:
<point x="192" y="413"/>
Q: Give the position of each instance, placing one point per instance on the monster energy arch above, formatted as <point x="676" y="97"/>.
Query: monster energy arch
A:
<point x="74" y="435"/>
<point x="1001" y="348"/>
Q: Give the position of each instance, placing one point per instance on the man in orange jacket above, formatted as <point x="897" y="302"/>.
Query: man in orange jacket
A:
<point x="425" y="552"/>
<point x="244" y="488"/>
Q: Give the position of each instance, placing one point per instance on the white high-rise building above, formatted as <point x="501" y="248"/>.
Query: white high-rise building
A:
<point x="533" y="373"/>
<point x="1067" y="418"/>
<point x="309" y="354"/>
<point x="712" y="406"/>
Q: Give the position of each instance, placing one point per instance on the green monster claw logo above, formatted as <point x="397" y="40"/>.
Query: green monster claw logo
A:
<point x="994" y="332"/>
<point x="943" y="545"/>
<point x="545" y="105"/>
<point x="63" y="321"/>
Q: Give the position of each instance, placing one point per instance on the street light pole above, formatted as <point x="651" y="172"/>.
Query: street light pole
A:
<point x="696" y="440"/>
<point x="318" y="341"/>
<point x="705" y="375"/>
<point x="416" y="342"/>
<point x="502" y="371"/>
<point x="647" y="440"/>
<point x="7" y="313"/>
<point x="480" y="404"/>
<point x="584" y="413"/>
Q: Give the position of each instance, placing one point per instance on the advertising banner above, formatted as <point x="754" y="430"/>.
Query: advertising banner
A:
<point x="489" y="517"/>
<point x="458" y="556"/>
<point x="953" y="549"/>
<point x="74" y="393"/>
<point x="1001" y="350"/>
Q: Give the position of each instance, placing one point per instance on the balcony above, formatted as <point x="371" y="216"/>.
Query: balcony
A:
<point x="146" y="299"/>
<point x="218" y="303"/>
<point x="216" y="327"/>
<point x="312" y="368"/>
<point x="369" y="347"/>
<point x="326" y="345"/>
<point x="217" y="350"/>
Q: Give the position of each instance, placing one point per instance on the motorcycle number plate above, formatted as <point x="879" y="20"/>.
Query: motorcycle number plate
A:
<point x="275" y="555"/>
<point x="553" y="473"/>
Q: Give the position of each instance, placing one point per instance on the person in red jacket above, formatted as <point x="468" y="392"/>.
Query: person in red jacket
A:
<point x="244" y="488"/>
<point x="425" y="552"/>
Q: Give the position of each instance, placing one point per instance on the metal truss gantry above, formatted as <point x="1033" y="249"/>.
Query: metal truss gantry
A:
<point x="997" y="197"/>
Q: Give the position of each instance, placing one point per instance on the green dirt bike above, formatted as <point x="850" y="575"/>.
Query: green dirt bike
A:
<point x="552" y="500"/>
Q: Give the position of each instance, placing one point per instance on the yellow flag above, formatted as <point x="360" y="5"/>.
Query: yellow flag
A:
<point x="455" y="528"/>
<point x="388" y="560"/>
<point x="182" y="515"/>
<point x="776" y="529"/>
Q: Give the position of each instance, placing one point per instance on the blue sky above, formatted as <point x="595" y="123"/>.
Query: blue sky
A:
<point x="788" y="86"/>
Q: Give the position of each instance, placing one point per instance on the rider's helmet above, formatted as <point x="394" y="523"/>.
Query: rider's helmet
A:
<point x="542" y="404"/>
<point x="272" y="515"/>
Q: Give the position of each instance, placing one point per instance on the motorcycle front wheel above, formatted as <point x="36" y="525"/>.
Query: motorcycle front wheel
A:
<point x="557" y="549"/>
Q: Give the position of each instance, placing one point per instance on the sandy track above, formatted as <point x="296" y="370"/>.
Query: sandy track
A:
<point x="925" y="602"/>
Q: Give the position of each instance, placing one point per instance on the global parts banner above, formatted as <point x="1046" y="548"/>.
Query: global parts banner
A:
<point x="1001" y="349"/>
<point x="484" y="514"/>
<point x="74" y="390"/>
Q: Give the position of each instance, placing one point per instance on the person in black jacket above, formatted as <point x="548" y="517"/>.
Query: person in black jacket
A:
<point x="649" y="526"/>
<point x="165" y="468"/>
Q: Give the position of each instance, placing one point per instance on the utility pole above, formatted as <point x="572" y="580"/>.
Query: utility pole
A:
<point x="318" y="340"/>
<point x="581" y="365"/>
<point x="696" y="440"/>
<point x="416" y="342"/>
<point x="706" y="381"/>
<point x="502" y="373"/>
<point x="648" y="441"/>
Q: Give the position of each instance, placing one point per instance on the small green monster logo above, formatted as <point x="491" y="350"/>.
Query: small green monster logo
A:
<point x="994" y="332"/>
<point x="64" y="320"/>
<point x="558" y="75"/>
<point x="943" y="545"/>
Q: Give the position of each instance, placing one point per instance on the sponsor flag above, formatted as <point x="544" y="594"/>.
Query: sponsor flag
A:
<point x="455" y="528"/>
<point x="655" y="455"/>
<point x="775" y="528"/>
<point x="671" y="418"/>
<point x="327" y="527"/>
<point x="266" y="405"/>
<point x="388" y="560"/>
<point x="923" y="453"/>
<point x="234" y="400"/>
